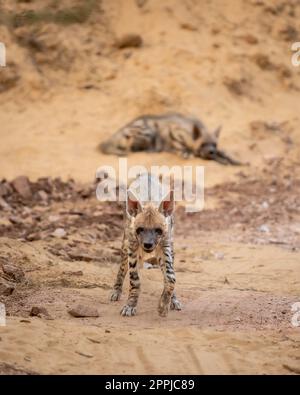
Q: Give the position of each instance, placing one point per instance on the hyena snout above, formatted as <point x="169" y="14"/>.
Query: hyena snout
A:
<point x="208" y="151"/>
<point x="148" y="238"/>
<point x="148" y="246"/>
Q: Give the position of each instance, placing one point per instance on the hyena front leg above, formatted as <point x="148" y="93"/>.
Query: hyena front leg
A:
<point x="166" y="264"/>
<point x="134" y="282"/>
<point x="175" y="303"/>
<point x="117" y="291"/>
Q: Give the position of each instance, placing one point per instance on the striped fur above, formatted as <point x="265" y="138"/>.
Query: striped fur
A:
<point x="171" y="132"/>
<point x="148" y="233"/>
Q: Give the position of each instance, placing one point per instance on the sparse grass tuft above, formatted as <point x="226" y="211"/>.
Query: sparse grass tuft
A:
<point x="66" y="16"/>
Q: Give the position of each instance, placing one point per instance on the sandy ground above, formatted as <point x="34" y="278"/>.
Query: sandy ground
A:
<point x="225" y="62"/>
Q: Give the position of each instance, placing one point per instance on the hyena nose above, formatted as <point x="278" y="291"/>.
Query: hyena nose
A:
<point x="148" y="246"/>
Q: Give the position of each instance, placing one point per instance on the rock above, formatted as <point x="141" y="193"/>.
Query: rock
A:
<point x="5" y="189"/>
<point x="2" y="190"/>
<point x="85" y="192"/>
<point x="15" y="220"/>
<point x="141" y="3"/>
<point x="21" y="185"/>
<point x="219" y="255"/>
<point x="293" y="369"/>
<point x="188" y="26"/>
<point x="263" y="62"/>
<point x="264" y="228"/>
<point x="42" y="195"/>
<point x="4" y="205"/>
<point x="83" y="256"/>
<point x="83" y="311"/>
<point x="77" y="273"/>
<point x="250" y="39"/>
<point x="237" y="87"/>
<point x="6" y="288"/>
<point x="33" y="236"/>
<point x="265" y="205"/>
<point x="59" y="232"/>
<point x="37" y="311"/>
<point x="13" y="271"/>
<point x="129" y="40"/>
<point x="54" y="218"/>
<point x="5" y="222"/>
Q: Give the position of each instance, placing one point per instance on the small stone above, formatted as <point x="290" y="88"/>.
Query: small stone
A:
<point x="250" y="39"/>
<point x="264" y="228"/>
<point x="4" y="222"/>
<point x="59" y="232"/>
<point x="76" y="273"/>
<point x="265" y="205"/>
<point x="188" y="26"/>
<point x="33" y="236"/>
<point x="54" y="218"/>
<point x="14" y="272"/>
<point x="83" y="311"/>
<point x="129" y="40"/>
<point x="4" y="205"/>
<point x="37" y="311"/>
<point x="15" y="220"/>
<point x="21" y="185"/>
<point x="141" y="3"/>
<point x="219" y="255"/>
<point x="5" y="189"/>
<point x="6" y="288"/>
<point x="43" y="196"/>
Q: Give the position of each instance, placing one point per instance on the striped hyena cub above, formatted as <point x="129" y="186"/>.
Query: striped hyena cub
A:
<point x="148" y="234"/>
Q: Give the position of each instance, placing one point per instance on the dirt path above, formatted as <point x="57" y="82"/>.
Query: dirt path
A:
<point x="67" y="88"/>
<point x="237" y="296"/>
<point x="235" y="319"/>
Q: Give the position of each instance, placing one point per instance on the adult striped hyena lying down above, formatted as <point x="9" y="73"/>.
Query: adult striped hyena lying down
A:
<point x="148" y="233"/>
<point x="170" y="133"/>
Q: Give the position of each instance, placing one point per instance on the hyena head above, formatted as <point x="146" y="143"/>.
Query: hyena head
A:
<point x="205" y="142"/>
<point x="149" y="223"/>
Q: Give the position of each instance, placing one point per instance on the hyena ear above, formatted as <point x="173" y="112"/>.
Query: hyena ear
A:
<point x="133" y="205"/>
<point x="218" y="131"/>
<point x="167" y="205"/>
<point x="196" y="132"/>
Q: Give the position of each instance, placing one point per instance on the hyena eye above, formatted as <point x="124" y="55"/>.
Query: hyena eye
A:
<point x="158" y="231"/>
<point x="139" y="230"/>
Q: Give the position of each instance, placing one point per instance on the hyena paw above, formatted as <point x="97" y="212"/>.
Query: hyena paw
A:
<point x="115" y="295"/>
<point x="175" y="304"/>
<point x="128" y="311"/>
<point x="163" y="310"/>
